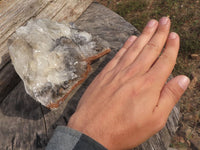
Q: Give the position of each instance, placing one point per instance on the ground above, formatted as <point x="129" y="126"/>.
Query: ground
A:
<point x="185" y="17"/>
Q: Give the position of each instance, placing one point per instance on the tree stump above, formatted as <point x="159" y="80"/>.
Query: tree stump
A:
<point x="26" y="124"/>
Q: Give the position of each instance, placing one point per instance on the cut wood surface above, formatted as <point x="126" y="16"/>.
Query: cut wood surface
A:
<point x="25" y="124"/>
<point x="14" y="14"/>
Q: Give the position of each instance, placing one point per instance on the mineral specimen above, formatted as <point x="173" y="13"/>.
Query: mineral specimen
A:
<point x="52" y="58"/>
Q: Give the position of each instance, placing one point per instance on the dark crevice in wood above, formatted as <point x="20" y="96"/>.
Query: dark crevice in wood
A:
<point x="65" y="119"/>
<point x="13" y="140"/>
<point x="4" y="65"/>
<point x="40" y="10"/>
<point x="5" y="60"/>
<point x="38" y="141"/>
<point x="45" y="126"/>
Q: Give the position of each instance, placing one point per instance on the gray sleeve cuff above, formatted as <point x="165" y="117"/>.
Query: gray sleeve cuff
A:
<point x="65" y="138"/>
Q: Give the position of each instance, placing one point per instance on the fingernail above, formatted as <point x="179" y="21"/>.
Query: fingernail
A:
<point x="172" y="35"/>
<point x="132" y="38"/>
<point x="184" y="82"/>
<point x="151" y="23"/>
<point x="164" y="20"/>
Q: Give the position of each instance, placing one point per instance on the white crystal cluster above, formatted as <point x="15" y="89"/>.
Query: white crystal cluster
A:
<point x="49" y="57"/>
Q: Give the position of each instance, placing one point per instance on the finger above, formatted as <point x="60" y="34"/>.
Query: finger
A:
<point x="170" y="95"/>
<point x="129" y="42"/>
<point x="163" y="67"/>
<point x="138" y="45"/>
<point x="120" y="53"/>
<point x="153" y="48"/>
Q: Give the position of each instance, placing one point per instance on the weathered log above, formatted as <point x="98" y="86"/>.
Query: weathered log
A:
<point x="14" y="14"/>
<point x="25" y="124"/>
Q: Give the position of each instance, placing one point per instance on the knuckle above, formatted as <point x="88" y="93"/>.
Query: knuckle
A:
<point x="108" y="75"/>
<point x="111" y="64"/>
<point x="135" y="91"/>
<point x="149" y="81"/>
<point x="136" y="46"/>
<point x="120" y="78"/>
<point x="146" y="32"/>
<point x="122" y="50"/>
<point x="119" y="54"/>
<point x="162" y="30"/>
<point x="172" y="93"/>
<point x="130" y="71"/>
<point x="116" y="58"/>
<point x="116" y="76"/>
<point x="166" y="57"/>
<point x="104" y="77"/>
<point x="153" y="46"/>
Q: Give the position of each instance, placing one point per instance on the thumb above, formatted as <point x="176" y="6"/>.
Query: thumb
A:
<point x="171" y="93"/>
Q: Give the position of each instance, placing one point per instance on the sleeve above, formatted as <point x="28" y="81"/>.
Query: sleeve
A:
<point x="65" y="138"/>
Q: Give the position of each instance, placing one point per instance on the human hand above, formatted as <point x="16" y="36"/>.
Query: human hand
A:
<point x="129" y="100"/>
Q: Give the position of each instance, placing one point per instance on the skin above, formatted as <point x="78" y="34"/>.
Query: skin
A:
<point x="129" y="100"/>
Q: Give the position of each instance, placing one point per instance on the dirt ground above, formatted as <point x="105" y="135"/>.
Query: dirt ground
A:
<point x="188" y="134"/>
<point x="185" y="16"/>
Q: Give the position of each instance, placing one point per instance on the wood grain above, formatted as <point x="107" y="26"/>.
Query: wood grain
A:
<point x="14" y="14"/>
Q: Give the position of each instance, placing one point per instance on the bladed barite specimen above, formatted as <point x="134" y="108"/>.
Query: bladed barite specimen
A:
<point x="53" y="58"/>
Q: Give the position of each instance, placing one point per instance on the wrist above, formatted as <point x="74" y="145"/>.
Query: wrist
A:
<point x="89" y="130"/>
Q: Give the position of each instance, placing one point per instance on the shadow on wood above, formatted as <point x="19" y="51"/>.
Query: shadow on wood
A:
<point x="19" y="104"/>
